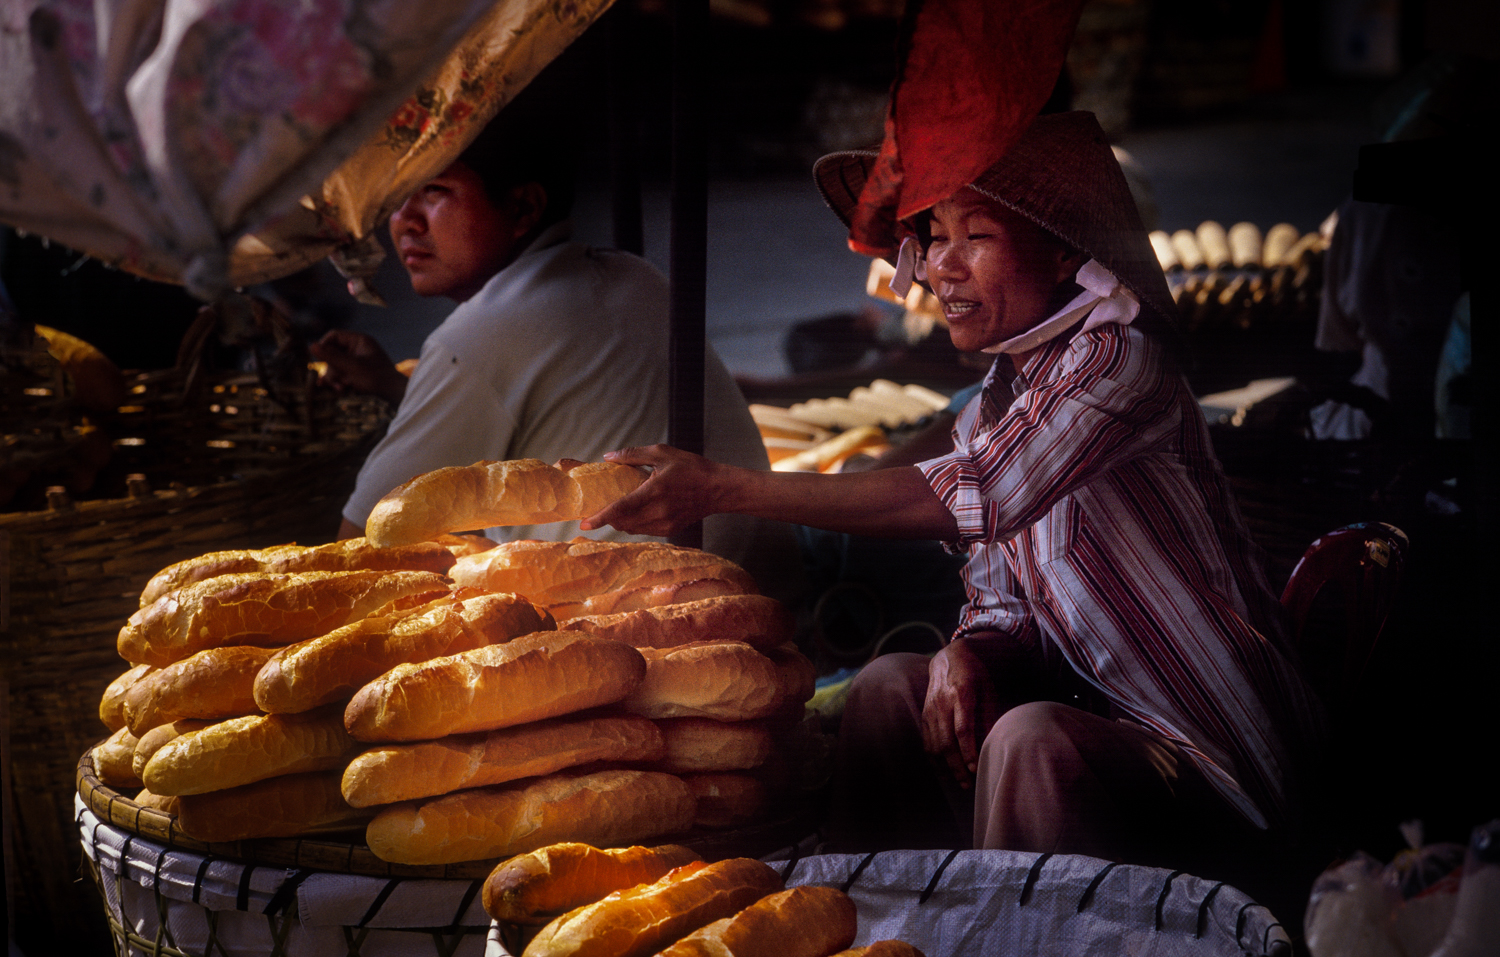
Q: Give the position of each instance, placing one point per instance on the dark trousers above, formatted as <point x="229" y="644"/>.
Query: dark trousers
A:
<point x="1052" y="776"/>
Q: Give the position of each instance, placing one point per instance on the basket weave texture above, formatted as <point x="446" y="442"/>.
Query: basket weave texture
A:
<point x="219" y="464"/>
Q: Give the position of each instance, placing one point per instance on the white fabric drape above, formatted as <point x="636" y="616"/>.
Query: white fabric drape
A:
<point x="219" y="143"/>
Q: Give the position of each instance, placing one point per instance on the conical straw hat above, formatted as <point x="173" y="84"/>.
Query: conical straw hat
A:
<point x="1063" y="176"/>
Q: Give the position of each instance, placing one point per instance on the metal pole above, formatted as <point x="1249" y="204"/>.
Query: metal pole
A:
<point x="689" y="245"/>
<point x="624" y="165"/>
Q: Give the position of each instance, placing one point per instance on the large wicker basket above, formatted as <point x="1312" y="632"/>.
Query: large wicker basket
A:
<point x="222" y="463"/>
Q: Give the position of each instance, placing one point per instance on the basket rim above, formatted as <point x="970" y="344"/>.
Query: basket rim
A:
<point x="119" y="811"/>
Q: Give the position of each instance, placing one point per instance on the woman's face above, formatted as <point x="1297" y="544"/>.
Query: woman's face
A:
<point x="995" y="272"/>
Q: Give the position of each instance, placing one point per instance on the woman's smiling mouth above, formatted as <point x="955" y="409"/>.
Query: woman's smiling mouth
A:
<point x="959" y="309"/>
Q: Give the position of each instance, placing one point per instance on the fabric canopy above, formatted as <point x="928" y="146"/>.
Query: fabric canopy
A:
<point x="220" y="143"/>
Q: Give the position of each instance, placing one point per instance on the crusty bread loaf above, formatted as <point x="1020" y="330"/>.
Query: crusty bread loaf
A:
<point x="883" y="948"/>
<point x="153" y="741"/>
<point x="465" y="543"/>
<point x="403" y="772"/>
<point x="796" y="675"/>
<point x="727" y="799"/>
<point x="350" y="554"/>
<point x="157" y="802"/>
<point x="488" y="494"/>
<point x="334" y="666"/>
<point x="642" y="920"/>
<point x="724" y="680"/>
<point x="606" y="808"/>
<point x="753" y="619"/>
<point x="534" y="888"/>
<point x="807" y="921"/>
<point x="541" y="675"/>
<point x="255" y="609"/>
<point x="112" y="760"/>
<point x="292" y="805"/>
<point x="703" y="744"/>
<point x="243" y="750"/>
<point x="637" y="597"/>
<point x="214" y="683"/>
<point x="552" y="572"/>
<point x="112" y="704"/>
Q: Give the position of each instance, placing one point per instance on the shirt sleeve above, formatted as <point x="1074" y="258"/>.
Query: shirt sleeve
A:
<point x="1110" y="401"/>
<point x="447" y="417"/>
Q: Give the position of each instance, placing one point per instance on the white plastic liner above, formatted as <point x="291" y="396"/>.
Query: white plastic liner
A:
<point x="199" y="904"/>
<point x="1001" y="903"/>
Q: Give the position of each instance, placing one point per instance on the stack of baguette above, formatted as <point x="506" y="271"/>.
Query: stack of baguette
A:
<point x="461" y="703"/>
<point x="579" y="901"/>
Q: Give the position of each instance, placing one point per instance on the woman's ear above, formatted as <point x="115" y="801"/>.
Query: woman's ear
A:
<point x="529" y="205"/>
<point x="1069" y="261"/>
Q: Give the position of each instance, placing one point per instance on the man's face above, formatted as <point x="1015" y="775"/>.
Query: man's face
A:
<point x="994" y="271"/>
<point x="451" y="238"/>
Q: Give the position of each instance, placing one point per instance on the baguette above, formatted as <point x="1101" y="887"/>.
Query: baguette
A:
<point x="643" y="920"/>
<point x="703" y="744"/>
<point x="292" y="805"/>
<point x="215" y="683"/>
<point x="796" y="676"/>
<point x="112" y="704"/>
<point x="755" y="620"/>
<point x="245" y="750"/>
<point x="605" y="808"/>
<point x="487" y="494"/>
<point x="807" y="921"/>
<point x="153" y="741"/>
<point x="403" y="772"/>
<point x="350" y="554"/>
<point x="113" y="759"/>
<point x="334" y="666"/>
<point x="541" y="675"/>
<point x="157" y="802"/>
<point x="533" y="888"/>
<point x="724" y="680"/>
<point x="552" y="572"/>
<point x="726" y="800"/>
<point x="465" y="543"/>
<point x="636" y="597"/>
<point x="255" y="609"/>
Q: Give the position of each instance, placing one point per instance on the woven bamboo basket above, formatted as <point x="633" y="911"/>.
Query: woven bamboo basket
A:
<point x="167" y="895"/>
<point x="131" y="886"/>
<point x="195" y="467"/>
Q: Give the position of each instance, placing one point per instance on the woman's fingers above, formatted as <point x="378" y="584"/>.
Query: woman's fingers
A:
<point x="674" y="496"/>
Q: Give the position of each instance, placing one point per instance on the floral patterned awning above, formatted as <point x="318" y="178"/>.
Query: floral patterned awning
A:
<point x="219" y="143"/>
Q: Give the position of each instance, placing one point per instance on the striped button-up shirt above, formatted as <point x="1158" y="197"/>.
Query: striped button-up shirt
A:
<point x="1094" y="511"/>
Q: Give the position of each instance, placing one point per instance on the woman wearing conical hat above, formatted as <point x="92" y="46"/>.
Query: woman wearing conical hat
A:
<point x="1120" y="683"/>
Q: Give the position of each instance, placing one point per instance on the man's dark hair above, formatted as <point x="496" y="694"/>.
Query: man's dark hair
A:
<point x="531" y="139"/>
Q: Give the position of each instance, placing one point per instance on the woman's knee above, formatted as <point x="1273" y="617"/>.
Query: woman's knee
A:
<point x="1034" y="729"/>
<point x="899" y="672"/>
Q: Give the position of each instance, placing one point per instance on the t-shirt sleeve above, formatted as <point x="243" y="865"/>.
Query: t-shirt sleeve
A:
<point x="449" y="416"/>
<point x="1111" y="401"/>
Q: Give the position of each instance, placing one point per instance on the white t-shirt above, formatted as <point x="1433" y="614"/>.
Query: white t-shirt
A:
<point x="562" y="354"/>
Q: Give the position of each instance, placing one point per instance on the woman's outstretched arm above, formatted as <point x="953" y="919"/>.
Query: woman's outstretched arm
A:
<point x="683" y="488"/>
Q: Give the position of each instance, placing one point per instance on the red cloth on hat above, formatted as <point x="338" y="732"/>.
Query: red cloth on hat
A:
<point x="976" y="73"/>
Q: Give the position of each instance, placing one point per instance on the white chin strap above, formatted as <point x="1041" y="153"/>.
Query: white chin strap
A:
<point x="1104" y="299"/>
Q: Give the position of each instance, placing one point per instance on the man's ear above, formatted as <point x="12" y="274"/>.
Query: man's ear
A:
<point x="529" y="202"/>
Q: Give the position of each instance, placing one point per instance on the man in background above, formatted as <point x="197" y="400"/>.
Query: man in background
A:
<point x="557" y="349"/>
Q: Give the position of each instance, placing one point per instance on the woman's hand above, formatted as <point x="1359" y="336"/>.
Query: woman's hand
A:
<point x="959" y="711"/>
<point x="357" y="363"/>
<point x="682" y="489"/>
